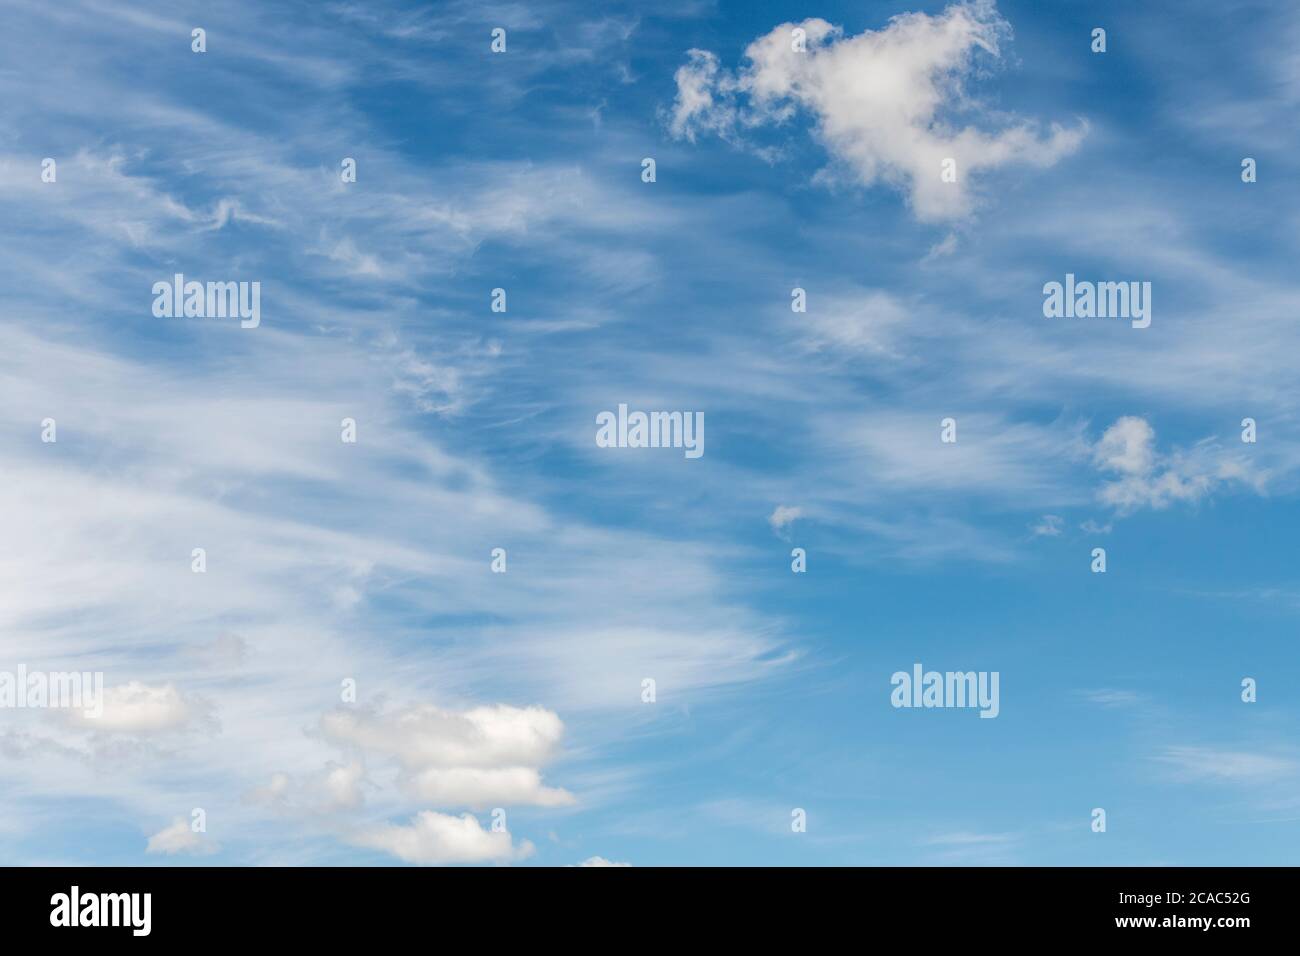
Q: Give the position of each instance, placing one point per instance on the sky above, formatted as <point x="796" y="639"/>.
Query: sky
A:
<point x="352" y="678"/>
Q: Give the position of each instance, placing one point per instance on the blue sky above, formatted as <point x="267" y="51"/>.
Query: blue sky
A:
<point x="330" y="561"/>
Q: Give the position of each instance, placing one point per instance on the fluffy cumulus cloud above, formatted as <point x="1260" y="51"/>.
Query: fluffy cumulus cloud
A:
<point x="438" y="838"/>
<point x="479" y="787"/>
<point x="139" y="708"/>
<point x="478" y="758"/>
<point x="1142" y="477"/>
<point x="887" y="104"/>
<point x="438" y="759"/>
<point x="599" y="861"/>
<point x="179" y="837"/>
<point x="1128" y="447"/>
<point x="782" y="517"/>
<point x="342" y="784"/>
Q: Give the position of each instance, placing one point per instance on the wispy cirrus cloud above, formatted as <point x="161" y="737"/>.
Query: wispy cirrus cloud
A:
<point x="1218" y="765"/>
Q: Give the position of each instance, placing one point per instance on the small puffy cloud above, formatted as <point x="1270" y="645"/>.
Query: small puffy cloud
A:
<point x="782" y="517"/>
<point x="1128" y="447"/>
<point x="886" y="103"/>
<point x="178" y="837"/>
<point x="342" y="784"/>
<point x="139" y="708"/>
<point x="696" y="106"/>
<point x="436" y="838"/>
<point x="599" y="861"/>
<point x="1048" y="526"/>
<point x="1146" y="478"/>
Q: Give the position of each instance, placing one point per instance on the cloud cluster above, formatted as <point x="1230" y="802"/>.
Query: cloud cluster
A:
<point x="434" y="838"/>
<point x="1147" y="479"/>
<point x="478" y="758"/>
<point x="885" y="103"/>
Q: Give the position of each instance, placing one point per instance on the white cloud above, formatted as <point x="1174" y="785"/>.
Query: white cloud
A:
<point x="1127" y="447"/>
<point x="868" y="323"/>
<point x="969" y="839"/>
<point x="1147" y="478"/>
<point x="885" y="102"/>
<point x="139" y="708"/>
<point x="478" y="758"/>
<point x="478" y="788"/>
<point x="434" y="838"/>
<point x="782" y="517"/>
<point x="1107" y="697"/>
<point x="1048" y="526"/>
<point x="430" y="736"/>
<point x="695" y="107"/>
<point x="334" y="788"/>
<point x="343" y="784"/>
<point x="944" y="247"/>
<point x="600" y="861"/>
<point x="1012" y="459"/>
<point x="231" y="210"/>
<point x="1228" y="766"/>
<point x="276" y="791"/>
<point x="178" y="837"/>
